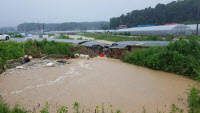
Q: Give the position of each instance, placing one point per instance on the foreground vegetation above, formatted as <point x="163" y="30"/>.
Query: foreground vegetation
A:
<point x="181" y="57"/>
<point x="117" y="38"/>
<point x="14" y="50"/>
<point x="193" y="101"/>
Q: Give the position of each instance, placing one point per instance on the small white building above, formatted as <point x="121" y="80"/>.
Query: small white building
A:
<point x="180" y="0"/>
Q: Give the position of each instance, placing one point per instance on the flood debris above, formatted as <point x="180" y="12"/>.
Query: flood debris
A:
<point x="49" y="64"/>
<point x="34" y="64"/>
<point x="63" y="61"/>
<point x="19" y="67"/>
<point x="26" y="59"/>
<point x="83" y="56"/>
<point x="76" y="55"/>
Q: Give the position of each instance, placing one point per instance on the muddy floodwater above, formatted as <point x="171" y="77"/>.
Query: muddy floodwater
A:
<point x="91" y="82"/>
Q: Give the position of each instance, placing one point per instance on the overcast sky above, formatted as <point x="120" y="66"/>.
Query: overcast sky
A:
<point x="14" y="12"/>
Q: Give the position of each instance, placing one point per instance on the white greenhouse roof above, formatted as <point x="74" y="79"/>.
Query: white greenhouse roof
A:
<point x="193" y="26"/>
<point x="152" y="28"/>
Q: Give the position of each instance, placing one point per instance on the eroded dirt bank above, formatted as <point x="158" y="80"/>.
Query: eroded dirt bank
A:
<point x="91" y="82"/>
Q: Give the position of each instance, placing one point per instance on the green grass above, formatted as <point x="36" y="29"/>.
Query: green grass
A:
<point x="51" y="34"/>
<point x="17" y="36"/>
<point x="181" y="57"/>
<point x="116" y="38"/>
<point x="62" y="37"/>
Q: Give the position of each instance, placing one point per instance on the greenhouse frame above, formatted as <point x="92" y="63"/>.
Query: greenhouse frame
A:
<point x="178" y="29"/>
<point x="194" y="28"/>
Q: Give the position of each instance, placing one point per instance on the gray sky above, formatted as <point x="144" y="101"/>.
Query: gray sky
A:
<point x="14" y="12"/>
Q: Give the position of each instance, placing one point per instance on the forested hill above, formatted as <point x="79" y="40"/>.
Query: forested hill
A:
<point x="174" y="12"/>
<point x="25" y="27"/>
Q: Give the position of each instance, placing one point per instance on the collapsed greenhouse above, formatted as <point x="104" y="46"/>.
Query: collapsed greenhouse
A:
<point x="178" y="29"/>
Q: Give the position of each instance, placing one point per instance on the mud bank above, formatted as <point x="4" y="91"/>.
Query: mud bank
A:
<point x="91" y="82"/>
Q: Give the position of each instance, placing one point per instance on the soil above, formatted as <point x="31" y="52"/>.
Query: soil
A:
<point x="91" y="82"/>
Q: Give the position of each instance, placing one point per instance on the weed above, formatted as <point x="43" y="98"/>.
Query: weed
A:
<point x="118" y="111"/>
<point x="111" y="108"/>
<point x="194" y="100"/>
<point x="64" y="109"/>
<point x="144" y="110"/>
<point x="5" y="108"/>
<point x="103" y="109"/>
<point x="46" y="109"/>
<point x="97" y="109"/>
<point x="175" y="109"/>
<point x="76" y="107"/>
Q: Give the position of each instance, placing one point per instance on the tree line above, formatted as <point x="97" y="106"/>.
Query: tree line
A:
<point x="174" y="12"/>
<point x="26" y="27"/>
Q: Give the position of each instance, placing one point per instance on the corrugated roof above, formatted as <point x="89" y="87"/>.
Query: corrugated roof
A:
<point x="92" y="43"/>
<point x="144" y="43"/>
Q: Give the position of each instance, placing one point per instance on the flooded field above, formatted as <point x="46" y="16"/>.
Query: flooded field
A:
<point x="91" y="82"/>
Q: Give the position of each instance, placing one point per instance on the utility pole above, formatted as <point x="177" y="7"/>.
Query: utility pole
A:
<point x="197" y="32"/>
<point x="43" y="29"/>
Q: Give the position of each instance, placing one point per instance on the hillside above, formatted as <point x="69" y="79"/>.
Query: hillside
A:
<point x="174" y="12"/>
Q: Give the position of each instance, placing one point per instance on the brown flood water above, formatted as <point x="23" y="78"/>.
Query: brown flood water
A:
<point x="91" y="82"/>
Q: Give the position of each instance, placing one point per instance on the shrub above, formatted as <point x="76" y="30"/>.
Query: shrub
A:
<point x="181" y="57"/>
<point x="14" y="50"/>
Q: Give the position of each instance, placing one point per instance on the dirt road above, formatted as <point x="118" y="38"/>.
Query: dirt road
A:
<point x="91" y="82"/>
<point x="75" y="37"/>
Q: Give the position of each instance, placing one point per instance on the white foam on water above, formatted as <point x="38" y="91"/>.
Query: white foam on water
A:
<point x="81" y="64"/>
<point x="71" y="72"/>
<point x="55" y="81"/>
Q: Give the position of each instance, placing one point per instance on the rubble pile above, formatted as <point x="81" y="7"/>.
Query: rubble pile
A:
<point x="85" y="50"/>
<point x="117" y="53"/>
<point x="36" y="64"/>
